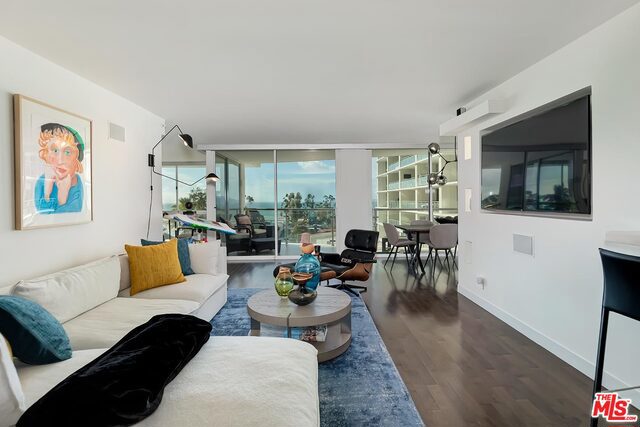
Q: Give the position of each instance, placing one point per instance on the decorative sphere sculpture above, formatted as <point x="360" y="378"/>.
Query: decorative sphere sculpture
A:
<point x="434" y="148"/>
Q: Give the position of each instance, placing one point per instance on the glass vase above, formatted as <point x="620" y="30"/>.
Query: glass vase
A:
<point x="309" y="264"/>
<point x="284" y="282"/>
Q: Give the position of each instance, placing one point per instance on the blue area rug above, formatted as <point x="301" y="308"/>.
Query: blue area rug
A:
<point x="362" y="387"/>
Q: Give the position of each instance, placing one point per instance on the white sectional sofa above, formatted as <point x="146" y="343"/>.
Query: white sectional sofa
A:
<point x="232" y="381"/>
<point x="94" y="304"/>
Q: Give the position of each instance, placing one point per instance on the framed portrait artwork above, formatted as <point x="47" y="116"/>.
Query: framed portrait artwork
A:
<point x="52" y="164"/>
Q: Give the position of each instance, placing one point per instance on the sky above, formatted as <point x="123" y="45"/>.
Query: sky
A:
<point x="317" y="177"/>
<point x="188" y="174"/>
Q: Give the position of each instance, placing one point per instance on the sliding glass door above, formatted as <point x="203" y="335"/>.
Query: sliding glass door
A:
<point x="249" y="203"/>
<point x="306" y="182"/>
<point x="272" y="197"/>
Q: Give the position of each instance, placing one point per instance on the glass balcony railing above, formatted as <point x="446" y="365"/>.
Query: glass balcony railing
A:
<point x="407" y="161"/>
<point x="408" y="183"/>
<point x="408" y="204"/>
<point x="423" y="180"/>
<point x="320" y="223"/>
<point x="394" y="204"/>
<point x="394" y="185"/>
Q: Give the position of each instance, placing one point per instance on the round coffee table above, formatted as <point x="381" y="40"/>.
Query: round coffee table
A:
<point x="332" y="308"/>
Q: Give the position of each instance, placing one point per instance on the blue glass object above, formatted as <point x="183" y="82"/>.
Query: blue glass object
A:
<point x="308" y="263"/>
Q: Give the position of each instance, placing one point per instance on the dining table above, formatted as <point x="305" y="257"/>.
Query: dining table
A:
<point x="416" y="230"/>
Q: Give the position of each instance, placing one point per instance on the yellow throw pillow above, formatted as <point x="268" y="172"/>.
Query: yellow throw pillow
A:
<point x="153" y="266"/>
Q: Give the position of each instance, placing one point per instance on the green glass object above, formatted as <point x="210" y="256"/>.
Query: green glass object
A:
<point x="284" y="282"/>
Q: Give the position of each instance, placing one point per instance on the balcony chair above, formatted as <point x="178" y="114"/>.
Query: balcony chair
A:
<point x="257" y="219"/>
<point x="355" y="262"/>
<point x="239" y="242"/>
<point x="244" y="224"/>
<point x="396" y="243"/>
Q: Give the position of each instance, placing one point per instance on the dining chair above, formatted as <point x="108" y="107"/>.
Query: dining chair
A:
<point x="423" y="236"/>
<point x="393" y="236"/>
<point x="621" y="295"/>
<point x="442" y="237"/>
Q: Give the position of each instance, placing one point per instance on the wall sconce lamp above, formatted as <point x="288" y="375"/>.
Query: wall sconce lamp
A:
<point x="187" y="140"/>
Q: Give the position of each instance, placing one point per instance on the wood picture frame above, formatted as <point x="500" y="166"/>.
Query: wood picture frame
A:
<point x="53" y="155"/>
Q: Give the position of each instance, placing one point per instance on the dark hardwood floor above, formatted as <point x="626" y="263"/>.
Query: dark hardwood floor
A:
<point x="462" y="365"/>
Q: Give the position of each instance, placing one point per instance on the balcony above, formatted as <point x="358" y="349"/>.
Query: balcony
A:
<point x="320" y="223"/>
<point x="408" y="204"/>
<point x="408" y="183"/>
<point x="407" y="161"/>
<point x="394" y="185"/>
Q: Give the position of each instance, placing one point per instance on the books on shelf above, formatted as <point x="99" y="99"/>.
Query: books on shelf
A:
<point x="308" y="334"/>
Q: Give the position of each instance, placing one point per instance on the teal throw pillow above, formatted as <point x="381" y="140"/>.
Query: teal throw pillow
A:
<point x="183" y="254"/>
<point x="35" y="336"/>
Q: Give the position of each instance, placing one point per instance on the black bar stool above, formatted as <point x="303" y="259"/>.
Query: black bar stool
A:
<point x="621" y="295"/>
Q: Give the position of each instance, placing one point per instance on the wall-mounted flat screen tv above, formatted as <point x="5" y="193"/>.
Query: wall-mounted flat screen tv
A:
<point x="540" y="164"/>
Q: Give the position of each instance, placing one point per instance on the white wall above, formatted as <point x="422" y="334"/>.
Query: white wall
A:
<point x="555" y="297"/>
<point x="353" y="192"/>
<point x="174" y="150"/>
<point x="120" y="173"/>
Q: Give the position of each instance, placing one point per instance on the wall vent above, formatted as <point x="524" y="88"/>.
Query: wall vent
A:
<point x="523" y="244"/>
<point x="116" y="132"/>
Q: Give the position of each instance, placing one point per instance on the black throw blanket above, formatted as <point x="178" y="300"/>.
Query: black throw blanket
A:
<point x="124" y="385"/>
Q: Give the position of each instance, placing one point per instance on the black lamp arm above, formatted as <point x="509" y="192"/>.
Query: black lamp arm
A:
<point x="152" y="156"/>
<point x="165" y="135"/>
<point x="177" y="180"/>
<point x="152" y="160"/>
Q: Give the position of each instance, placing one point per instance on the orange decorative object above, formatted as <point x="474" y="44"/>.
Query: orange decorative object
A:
<point x="302" y="277"/>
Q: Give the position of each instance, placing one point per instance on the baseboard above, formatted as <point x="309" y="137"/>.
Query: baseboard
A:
<point x="580" y="363"/>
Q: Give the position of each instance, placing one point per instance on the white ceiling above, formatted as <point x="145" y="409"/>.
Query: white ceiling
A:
<point x="301" y="71"/>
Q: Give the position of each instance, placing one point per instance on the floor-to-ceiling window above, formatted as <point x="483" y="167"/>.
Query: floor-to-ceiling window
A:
<point x="169" y="189"/>
<point x="189" y="195"/>
<point x="249" y="179"/>
<point x="221" y="187"/>
<point x="306" y="182"/>
<point x="400" y="188"/>
<point x="178" y="196"/>
<point x="272" y="197"/>
<point x="228" y="188"/>
<point x="192" y="197"/>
